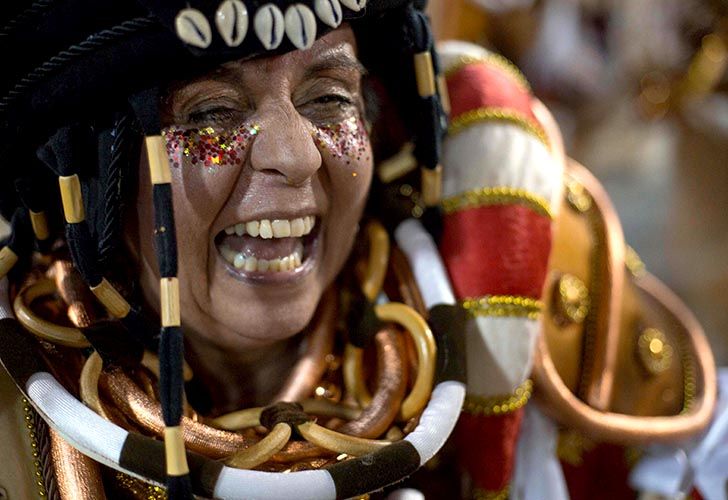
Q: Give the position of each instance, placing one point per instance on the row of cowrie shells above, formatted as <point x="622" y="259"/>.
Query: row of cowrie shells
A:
<point x="299" y="23"/>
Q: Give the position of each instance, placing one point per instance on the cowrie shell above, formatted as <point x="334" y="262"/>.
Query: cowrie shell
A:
<point x="269" y="26"/>
<point x="193" y="28"/>
<point x="232" y="22"/>
<point x="355" y="5"/>
<point x="329" y="11"/>
<point x="300" y="26"/>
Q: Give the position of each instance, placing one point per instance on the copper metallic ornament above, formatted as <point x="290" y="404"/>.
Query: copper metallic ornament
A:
<point x="77" y="475"/>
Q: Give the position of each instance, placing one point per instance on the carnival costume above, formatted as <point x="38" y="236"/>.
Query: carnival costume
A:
<point x="477" y="300"/>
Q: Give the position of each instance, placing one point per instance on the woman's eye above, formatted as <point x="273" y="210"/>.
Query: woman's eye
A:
<point x="213" y="115"/>
<point x="333" y="98"/>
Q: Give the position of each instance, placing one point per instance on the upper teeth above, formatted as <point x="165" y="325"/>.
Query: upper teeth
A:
<point x="276" y="228"/>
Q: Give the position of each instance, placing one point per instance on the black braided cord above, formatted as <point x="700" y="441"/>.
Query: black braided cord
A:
<point x="43" y="439"/>
<point x="92" y="43"/>
<point x="36" y="9"/>
<point x="112" y="189"/>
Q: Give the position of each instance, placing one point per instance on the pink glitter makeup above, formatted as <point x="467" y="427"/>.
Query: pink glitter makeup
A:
<point x="348" y="138"/>
<point x="207" y="147"/>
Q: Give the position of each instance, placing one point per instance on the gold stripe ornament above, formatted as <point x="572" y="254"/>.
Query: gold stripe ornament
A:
<point x="509" y="306"/>
<point x="72" y="199"/>
<point x="169" y="295"/>
<point x="39" y="221"/>
<point x="8" y="259"/>
<point x="488" y="196"/>
<point x="158" y="161"/>
<point x="112" y="300"/>
<point x="432" y="185"/>
<point x="174" y="451"/>
<point x="425" y="74"/>
<point x="480" y="494"/>
<point x="498" y="405"/>
<point x="480" y="115"/>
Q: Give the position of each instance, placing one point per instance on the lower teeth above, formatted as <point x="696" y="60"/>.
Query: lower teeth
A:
<point x="251" y="263"/>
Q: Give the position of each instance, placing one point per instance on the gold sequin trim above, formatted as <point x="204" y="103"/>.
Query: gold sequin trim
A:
<point x="488" y="196"/>
<point x="463" y="120"/>
<point x="689" y="376"/>
<point x="503" y="306"/>
<point x="28" y="410"/>
<point x="140" y="489"/>
<point x="498" y="405"/>
<point x="479" y="494"/>
<point x="634" y="263"/>
<point x="491" y="59"/>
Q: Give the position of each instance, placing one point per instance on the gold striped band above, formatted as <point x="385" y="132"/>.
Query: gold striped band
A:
<point x="479" y="115"/>
<point x="72" y="199"/>
<point x="158" y="160"/>
<point x="503" y="306"/>
<point x="499" y="405"/>
<point x="169" y="295"/>
<point x="112" y="300"/>
<point x="8" y="259"/>
<point x="488" y="196"/>
<point x="174" y="451"/>
<point x="425" y="74"/>
<point x="491" y="59"/>
<point x="40" y="225"/>
<point x="480" y="494"/>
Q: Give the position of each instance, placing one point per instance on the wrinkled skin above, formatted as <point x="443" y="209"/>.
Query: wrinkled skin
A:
<point x="289" y="168"/>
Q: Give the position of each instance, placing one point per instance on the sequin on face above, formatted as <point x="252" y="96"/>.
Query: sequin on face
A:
<point x="207" y="147"/>
<point x="346" y="139"/>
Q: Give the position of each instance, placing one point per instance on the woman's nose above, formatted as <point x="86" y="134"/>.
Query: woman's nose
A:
<point x="285" y="145"/>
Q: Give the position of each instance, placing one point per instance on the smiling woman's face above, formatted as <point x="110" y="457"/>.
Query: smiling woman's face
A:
<point x="271" y="165"/>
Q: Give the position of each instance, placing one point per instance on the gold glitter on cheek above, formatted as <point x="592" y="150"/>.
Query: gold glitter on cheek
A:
<point x="207" y="147"/>
<point x="346" y="140"/>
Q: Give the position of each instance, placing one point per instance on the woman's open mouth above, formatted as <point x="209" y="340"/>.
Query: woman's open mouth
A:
<point x="258" y="247"/>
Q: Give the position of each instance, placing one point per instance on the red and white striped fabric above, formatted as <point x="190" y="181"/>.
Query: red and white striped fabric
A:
<point x="501" y="186"/>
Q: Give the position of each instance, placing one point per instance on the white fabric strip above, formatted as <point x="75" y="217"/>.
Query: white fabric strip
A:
<point x="238" y="484"/>
<point x="77" y="424"/>
<point x="438" y="420"/>
<point x="500" y="154"/>
<point x="424" y="259"/>
<point x="538" y="473"/>
<point x="499" y="353"/>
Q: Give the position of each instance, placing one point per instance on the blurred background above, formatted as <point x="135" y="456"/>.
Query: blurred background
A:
<point x="640" y="90"/>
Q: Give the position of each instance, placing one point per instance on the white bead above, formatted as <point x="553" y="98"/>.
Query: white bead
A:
<point x="329" y="11"/>
<point x="355" y="5"/>
<point x="269" y="26"/>
<point x="300" y="26"/>
<point x="193" y="28"/>
<point x="232" y="22"/>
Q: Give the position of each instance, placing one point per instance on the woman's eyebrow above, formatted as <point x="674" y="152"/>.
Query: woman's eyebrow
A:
<point x="335" y="60"/>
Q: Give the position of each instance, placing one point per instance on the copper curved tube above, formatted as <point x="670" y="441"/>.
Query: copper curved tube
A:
<point x="297" y="451"/>
<point x="408" y="290"/>
<point x="146" y="413"/>
<point x="391" y="384"/>
<point x="74" y="292"/>
<point x="261" y="451"/>
<point x="426" y="359"/>
<point x="310" y="368"/>
<point x="567" y="409"/>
